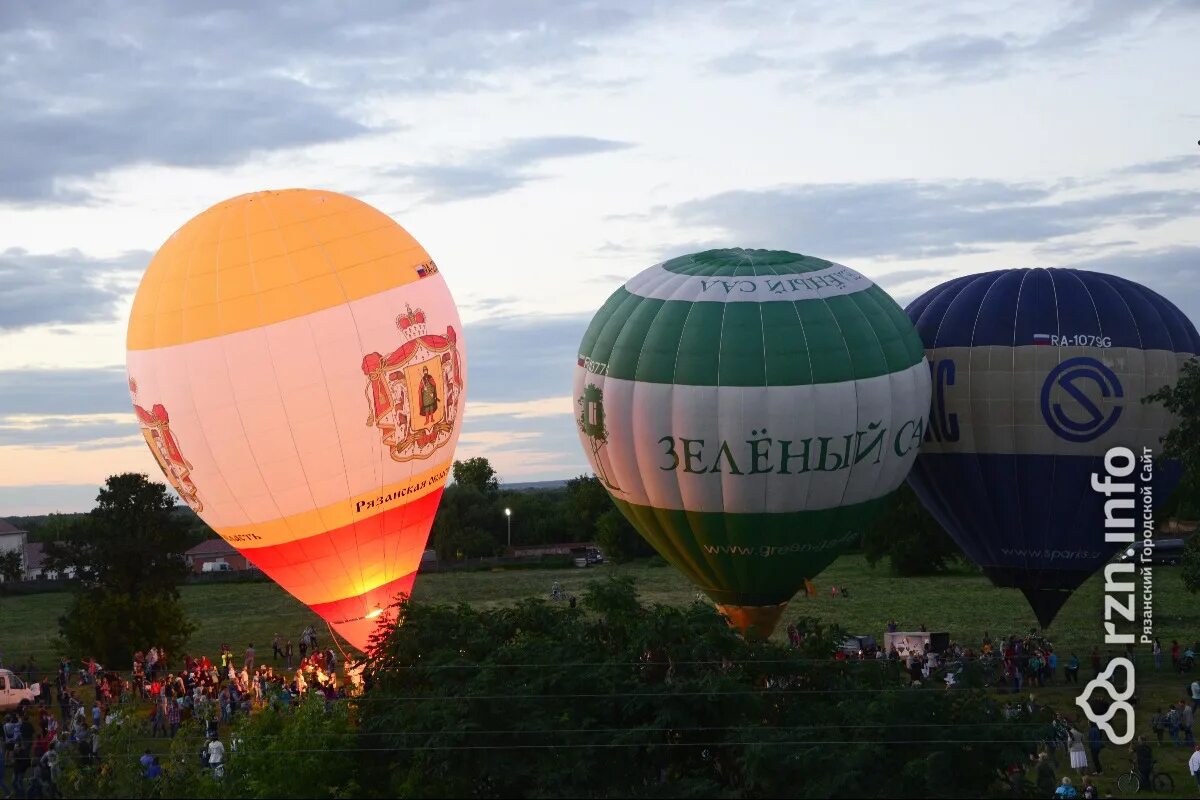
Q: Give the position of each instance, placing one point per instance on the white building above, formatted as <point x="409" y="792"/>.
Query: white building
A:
<point x="13" y="539"/>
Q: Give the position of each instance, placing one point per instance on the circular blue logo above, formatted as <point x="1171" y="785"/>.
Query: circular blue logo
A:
<point x="1082" y="420"/>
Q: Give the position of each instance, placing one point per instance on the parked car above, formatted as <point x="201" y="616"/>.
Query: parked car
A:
<point x="1166" y="552"/>
<point x="587" y="556"/>
<point x="859" y="646"/>
<point x="14" y="693"/>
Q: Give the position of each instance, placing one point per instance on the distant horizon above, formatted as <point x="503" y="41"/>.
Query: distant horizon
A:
<point x="512" y="485"/>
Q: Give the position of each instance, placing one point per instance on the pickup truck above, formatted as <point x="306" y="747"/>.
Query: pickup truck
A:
<point x="14" y="693"/>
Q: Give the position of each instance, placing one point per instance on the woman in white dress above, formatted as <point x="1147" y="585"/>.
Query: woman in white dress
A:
<point x="1077" y="750"/>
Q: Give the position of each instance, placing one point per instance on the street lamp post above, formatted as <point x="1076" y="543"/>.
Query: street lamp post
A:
<point x="508" y="516"/>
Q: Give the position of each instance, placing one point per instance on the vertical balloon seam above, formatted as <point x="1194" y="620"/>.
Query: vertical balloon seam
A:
<point x="1012" y="387"/>
<point x="252" y="264"/>
<point x="226" y="219"/>
<point x="971" y="464"/>
<point x="1082" y="493"/>
<point x="191" y="394"/>
<point x="983" y="481"/>
<point x="935" y="309"/>
<point x="733" y="570"/>
<point x="702" y="567"/>
<point x="735" y="524"/>
<point x="709" y="565"/>
<point x="305" y="223"/>
<point x="860" y="299"/>
<point x="295" y="445"/>
<point x="389" y="566"/>
<point x="228" y="373"/>
<point x="973" y="400"/>
<point x="762" y="328"/>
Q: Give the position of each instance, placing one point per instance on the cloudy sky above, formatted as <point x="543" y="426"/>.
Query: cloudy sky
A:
<point x="545" y="150"/>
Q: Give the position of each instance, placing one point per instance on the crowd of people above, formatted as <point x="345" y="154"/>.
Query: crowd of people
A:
<point x="193" y="687"/>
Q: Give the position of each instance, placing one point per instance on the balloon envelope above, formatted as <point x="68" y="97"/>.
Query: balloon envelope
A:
<point x="1036" y="374"/>
<point x="297" y="367"/>
<point x="749" y="411"/>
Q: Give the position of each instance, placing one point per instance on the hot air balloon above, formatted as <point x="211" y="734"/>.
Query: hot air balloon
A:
<point x="296" y="365"/>
<point x="1036" y="374"/>
<point x="749" y="411"/>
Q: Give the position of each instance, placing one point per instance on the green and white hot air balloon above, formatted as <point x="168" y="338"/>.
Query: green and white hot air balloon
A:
<point x="750" y="411"/>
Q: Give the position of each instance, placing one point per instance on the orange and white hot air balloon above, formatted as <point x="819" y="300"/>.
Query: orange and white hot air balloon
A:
<point x="297" y="367"/>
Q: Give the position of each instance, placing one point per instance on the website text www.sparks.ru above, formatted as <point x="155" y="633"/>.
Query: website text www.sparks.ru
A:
<point x="768" y="550"/>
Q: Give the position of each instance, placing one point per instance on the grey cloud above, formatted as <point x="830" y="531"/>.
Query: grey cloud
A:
<point x="498" y="170"/>
<point x="523" y="358"/>
<point x="91" y="436"/>
<point x="64" y="391"/>
<point x="90" y="87"/>
<point x="902" y="276"/>
<point x="1163" y="166"/>
<point x="1173" y="272"/>
<point x="908" y="219"/>
<point x="964" y="53"/>
<point x="33" y="499"/>
<point x="63" y="288"/>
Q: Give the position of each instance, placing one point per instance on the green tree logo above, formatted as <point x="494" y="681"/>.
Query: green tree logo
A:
<point x="591" y="422"/>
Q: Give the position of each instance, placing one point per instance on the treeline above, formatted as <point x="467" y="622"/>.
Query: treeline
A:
<point x="613" y="698"/>
<point x="471" y="522"/>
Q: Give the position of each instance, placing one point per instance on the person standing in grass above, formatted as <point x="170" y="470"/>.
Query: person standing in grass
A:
<point x="248" y="663"/>
<point x="1196" y="694"/>
<point x="1077" y="750"/>
<point x="1072" y="669"/>
<point x="1194" y="765"/>
<point x="1157" y="650"/>
<point x="1095" y="742"/>
<point x="1144" y="757"/>
<point x="276" y="650"/>
<point x="1045" y="777"/>
<point x="287" y="654"/>
<point x="1185" y="723"/>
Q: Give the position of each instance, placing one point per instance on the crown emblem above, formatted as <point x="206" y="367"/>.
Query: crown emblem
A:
<point x="411" y="324"/>
<point x="132" y="386"/>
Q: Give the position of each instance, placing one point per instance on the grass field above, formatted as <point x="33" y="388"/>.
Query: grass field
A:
<point x="965" y="604"/>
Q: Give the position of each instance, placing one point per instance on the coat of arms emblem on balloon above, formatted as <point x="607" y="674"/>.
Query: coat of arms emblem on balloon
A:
<point x="413" y="392"/>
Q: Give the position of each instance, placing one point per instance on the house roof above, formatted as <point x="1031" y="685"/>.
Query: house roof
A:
<point x="8" y="527"/>
<point x="211" y="547"/>
<point x="35" y="554"/>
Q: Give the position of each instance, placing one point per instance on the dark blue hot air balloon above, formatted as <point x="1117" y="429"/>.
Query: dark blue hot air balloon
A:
<point x="1036" y="374"/>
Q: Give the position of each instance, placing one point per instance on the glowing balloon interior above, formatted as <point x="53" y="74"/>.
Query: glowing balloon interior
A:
<point x="1036" y="374"/>
<point x="296" y="363"/>
<point x="749" y="411"/>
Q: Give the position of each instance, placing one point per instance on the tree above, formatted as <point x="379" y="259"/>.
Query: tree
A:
<point x="1182" y="443"/>
<point x="618" y="539"/>
<point x="618" y="699"/>
<point x="587" y="500"/>
<point x="12" y="565"/>
<point x="1191" y="565"/>
<point x="467" y="524"/>
<point x="477" y="473"/>
<point x="127" y="558"/>
<point x="909" y="537"/>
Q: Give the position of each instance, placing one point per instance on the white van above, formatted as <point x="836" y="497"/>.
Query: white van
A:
<point x="14" y="694"/>
<point x="220" y="565"/>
